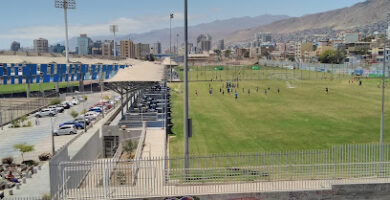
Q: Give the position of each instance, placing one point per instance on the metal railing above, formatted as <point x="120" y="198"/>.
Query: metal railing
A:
<point x="227" y="173"/>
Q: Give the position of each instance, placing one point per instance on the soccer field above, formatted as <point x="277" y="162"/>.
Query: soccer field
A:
<point x="302" y="116"/>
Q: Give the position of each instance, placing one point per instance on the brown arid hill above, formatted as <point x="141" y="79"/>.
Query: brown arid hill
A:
<point x="358" y="15"/>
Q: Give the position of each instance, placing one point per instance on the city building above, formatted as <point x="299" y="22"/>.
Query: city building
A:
<point x="301" y="48"/>
<point x="156" y="49"/>
<point x="203" y="43"/>
<point x="142" y="50"/>
<point x="58" y="48"/>
<point x="127" y="49"/>
<point x="349" y="36"/>
<point x="41" y="45"/>
<point x="107" y="49"/>
<point x="15" y="46"/>
<point x="242" y="52"/>
<point x="84" y="44"/>
<point x="221" y="45"/>
<point x="255" y="52"/>
<point x="263" y="37"/>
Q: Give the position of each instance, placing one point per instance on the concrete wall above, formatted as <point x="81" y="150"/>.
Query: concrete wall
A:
<point x="338" y="192"/>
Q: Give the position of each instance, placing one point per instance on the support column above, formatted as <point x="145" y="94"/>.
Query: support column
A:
<point x="122" y="107"/>
<point x="28" y="89"/>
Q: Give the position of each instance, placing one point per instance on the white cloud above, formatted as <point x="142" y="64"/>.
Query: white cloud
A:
<point x="126" y="26"/>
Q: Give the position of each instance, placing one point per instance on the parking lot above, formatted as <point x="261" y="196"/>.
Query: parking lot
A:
<point x="40" y="135"/>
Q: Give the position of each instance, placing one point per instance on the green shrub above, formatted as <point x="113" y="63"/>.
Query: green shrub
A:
<point x="74" y="114"/>
<point x="46" y="197"/>
<point x="55" y="101"/>
<point x="15" y="124"/>
<point x="29" y="124"/>
<point x="83" y="111"/>
<point x="106" y="98"/>
<point x="85" y="97"/>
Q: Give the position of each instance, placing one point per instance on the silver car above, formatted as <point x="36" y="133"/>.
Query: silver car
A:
<point x="65" y="130"/>
<point x="45" y="112"/>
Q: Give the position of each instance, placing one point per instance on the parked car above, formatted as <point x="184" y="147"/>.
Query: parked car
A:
<point x="58" y="108"/>
<point x="75" y="123"/>
<point x="66" y="104"/>
<point x="90" y="115"/>
<point x="80" y="119"/>
<point x="45" y="112"/>
<point x="65" y="130"/>
<point x="75" y="101"/>
<point x="96" y="109"/>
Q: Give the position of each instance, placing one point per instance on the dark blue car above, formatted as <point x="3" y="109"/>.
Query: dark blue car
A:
<point x="96" y="109"/>
<point x="76" y="124"/>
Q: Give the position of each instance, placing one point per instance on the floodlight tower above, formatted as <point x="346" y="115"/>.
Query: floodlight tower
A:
<point x="66" y="4"/>
<point x="114" y="29"/>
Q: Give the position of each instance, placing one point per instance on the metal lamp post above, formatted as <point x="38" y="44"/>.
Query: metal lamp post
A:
<point x="385" y="54"/>
<point x="170" y="45"/>
<point x="66" y="4"/>
<point x="53" y="149"/>
<point x="186" y="124"/>
<point x="114" y="29"/>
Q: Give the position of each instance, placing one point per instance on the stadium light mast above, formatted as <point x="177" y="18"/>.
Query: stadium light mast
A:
<point x="385" y="54"/>
<point x="114" y="29"/>
<point x="66" y="4"/>
<point x="171" y="16"/>
<point x="186" y="124"/>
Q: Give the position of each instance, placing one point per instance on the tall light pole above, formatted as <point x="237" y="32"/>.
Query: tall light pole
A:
<point x="114" y="29"/>
<point x="385" y="54"/>
<point x="186" y="151"/>
<point x="170" y="45"/>
<point x="66" y="4"/>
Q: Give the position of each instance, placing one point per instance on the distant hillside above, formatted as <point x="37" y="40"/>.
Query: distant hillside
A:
<point x="217" y="29"/>
<point x="358" y="15"/>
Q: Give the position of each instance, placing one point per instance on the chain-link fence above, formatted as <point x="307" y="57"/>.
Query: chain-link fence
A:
<point x="229" y="173"/>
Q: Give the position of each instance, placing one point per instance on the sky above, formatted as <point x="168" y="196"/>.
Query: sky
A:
<point x="26" y="20"/>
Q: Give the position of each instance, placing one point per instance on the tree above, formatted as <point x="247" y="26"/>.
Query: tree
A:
<point x="332" y="56"/>
<point x="227" y="53"/>
<point x="23" y="148"/>
<point x="74" y="114"/>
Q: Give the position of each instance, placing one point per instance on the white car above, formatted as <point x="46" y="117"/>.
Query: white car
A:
<point x="65" y="130"/>
<point x="45" y="112"/>
<point x="57" y="108"/>
<point x="90" y="115"/>
<point x="75" y="102"/>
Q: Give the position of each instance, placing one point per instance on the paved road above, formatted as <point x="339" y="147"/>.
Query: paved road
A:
<point x="39" y="136"/>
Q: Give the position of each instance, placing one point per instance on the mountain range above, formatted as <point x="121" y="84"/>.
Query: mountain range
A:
<point x="360" y="15"/>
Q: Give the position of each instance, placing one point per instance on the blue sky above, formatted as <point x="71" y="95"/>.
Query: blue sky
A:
<point x="24" y="20"/>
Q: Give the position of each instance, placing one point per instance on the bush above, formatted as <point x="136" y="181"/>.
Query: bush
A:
<point x="30" y="163"/>
<point x="15" y="124"/>
<point x="129" y="146"/>
<point x="83" y="111"/>
<point x="29" y="124"/>
<point x="106" y="98"/>
<point x="74" y="114"/>
<point x="85" y="97"/>
<point x="7" y="160"/>
<point x="44" y="157"/>
<point x="46" y="197"/>
<point x="55" y="101"/>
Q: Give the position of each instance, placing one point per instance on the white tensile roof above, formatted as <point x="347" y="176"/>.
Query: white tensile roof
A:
<point x="62" y="60"/>
<point x="168" y="62"/>
<point x="141" y="72"/>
